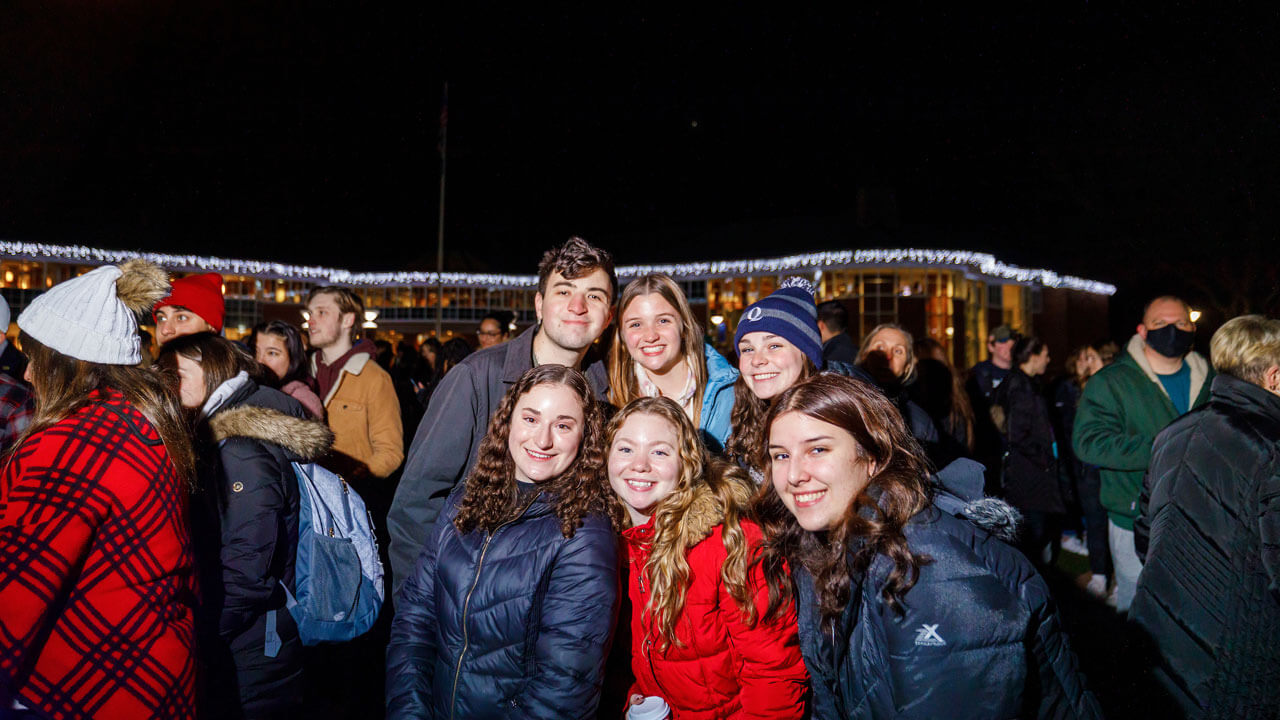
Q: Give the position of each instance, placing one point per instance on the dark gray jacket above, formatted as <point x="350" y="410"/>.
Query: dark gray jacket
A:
<point x="1209" y="594"/>
<point x="981" y="637"/>
<point x="445" y="446"/>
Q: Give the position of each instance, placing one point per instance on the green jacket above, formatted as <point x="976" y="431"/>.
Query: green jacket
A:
<point x="1122" y="409"/>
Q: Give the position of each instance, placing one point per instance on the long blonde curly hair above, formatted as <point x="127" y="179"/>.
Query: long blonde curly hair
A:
<point x="701" y="482"/>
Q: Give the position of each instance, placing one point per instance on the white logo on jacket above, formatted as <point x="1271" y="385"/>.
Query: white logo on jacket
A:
<point x="928" y="635"/>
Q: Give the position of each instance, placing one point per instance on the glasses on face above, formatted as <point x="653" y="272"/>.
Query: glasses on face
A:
<point x="489" y="333"/>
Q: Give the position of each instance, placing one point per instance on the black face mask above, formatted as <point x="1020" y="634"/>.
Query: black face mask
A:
<point x="1170" y="342"/>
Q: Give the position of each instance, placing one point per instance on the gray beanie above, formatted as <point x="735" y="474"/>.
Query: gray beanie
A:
<point x="93" y="317"/>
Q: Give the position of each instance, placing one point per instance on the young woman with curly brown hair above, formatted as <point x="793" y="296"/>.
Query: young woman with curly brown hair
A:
<point x="513" y="601"/>
<point x="907" y="606"/>
<point x="697" y="637"/>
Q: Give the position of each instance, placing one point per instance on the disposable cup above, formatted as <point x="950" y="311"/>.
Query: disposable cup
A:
<point x="652" y="708"/>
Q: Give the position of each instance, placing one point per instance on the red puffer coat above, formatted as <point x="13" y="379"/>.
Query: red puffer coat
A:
<point x="96" y="573"/>
<point x="723" y="667"/>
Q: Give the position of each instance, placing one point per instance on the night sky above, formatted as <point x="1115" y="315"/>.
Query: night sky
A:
<point x="1131" y="147"/>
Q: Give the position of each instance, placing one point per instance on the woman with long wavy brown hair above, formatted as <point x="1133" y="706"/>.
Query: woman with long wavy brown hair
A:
<point x="907" y="605"/>
<point x="97" y="593"/>
<point x="510" y="609"/>
<point x="698" y="640"/>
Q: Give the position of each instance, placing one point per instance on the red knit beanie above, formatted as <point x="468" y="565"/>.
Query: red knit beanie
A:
<point x="201" y="294"/>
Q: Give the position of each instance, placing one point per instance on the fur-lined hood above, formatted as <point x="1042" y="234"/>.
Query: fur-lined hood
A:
<point x="957" y="489"/>
<point x="308" y="439"/>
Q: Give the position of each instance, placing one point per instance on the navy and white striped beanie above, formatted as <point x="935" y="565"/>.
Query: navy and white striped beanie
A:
<point x="789" y="312"/>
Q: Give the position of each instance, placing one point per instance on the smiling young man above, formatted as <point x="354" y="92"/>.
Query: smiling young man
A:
<point x="574" y="304"/>
<point x="194" y="304"/>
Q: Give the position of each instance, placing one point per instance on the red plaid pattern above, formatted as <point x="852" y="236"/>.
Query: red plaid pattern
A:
<point x="96" y="581"/>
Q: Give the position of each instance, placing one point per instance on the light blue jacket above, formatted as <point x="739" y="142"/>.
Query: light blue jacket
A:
<point x="717" y="400"/>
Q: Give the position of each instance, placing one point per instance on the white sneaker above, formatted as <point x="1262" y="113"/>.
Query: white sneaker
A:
<point x="1097" y="587"/>
<point x="1073" y="545"/>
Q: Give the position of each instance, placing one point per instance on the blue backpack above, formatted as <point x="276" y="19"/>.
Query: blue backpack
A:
<point x="338" y="576"/>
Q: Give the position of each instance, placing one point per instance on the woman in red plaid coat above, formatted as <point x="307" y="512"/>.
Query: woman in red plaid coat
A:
<point x="96" y="581"/>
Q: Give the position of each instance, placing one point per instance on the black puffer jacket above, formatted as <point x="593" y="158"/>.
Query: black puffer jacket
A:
<point x="245" y="527"/>
<point x="981" y="637"/>
<point x="1031" y="471"/>
<point x="1209" y="594"/>
<point x="510" y="624"/>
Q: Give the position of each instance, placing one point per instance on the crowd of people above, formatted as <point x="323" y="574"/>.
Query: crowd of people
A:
<point x="605" y="516"/>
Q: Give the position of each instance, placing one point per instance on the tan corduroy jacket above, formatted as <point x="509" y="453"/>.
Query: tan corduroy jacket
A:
<point x="364" y="415"/>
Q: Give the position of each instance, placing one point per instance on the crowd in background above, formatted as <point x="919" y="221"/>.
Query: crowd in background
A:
<point x="605" y="514"/>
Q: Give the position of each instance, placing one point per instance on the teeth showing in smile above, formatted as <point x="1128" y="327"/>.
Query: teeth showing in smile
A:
<point x="653" y="350"/>
<point x="537" y="455"/>
<point x="640" y="485"/>
<point x="765" y="376"/>
<point x="810" y="497"/>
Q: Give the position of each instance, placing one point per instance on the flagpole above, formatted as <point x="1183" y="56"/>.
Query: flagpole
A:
<point x="444" y="155"/>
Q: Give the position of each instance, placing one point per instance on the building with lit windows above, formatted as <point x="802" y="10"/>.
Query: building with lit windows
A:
<point x="952" y="296"/>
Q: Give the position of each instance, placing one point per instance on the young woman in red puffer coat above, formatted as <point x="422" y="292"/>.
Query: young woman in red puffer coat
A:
<point x="698" y="637"/>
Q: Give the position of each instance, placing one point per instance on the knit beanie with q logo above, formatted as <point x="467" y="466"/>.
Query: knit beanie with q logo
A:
<point x="790" y="313"/>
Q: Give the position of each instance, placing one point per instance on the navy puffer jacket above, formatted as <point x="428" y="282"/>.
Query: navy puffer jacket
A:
<point x="513" y="623"/>
<point x="980" y="638"/>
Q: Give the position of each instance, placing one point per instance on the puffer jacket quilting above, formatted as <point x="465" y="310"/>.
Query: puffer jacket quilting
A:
<point x="978" y="623"/>
<point x="1209" y="593"/>
<point x="514" y="623"/>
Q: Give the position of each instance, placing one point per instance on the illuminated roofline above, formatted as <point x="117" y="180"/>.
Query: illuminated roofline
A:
<point x="982" y="264"/>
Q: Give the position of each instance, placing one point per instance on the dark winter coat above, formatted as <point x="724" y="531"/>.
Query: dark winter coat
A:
<point x="246" y="532"/>
<point x="980" y="638"/>
<point x="840" y="348"/>
<point x="510" y="624"/>
<point x="1122" y="408"/>
<point x="722" y="666"/>
<point x="939" y="451"/>
<point x="97" y="582"/>
<point x="448" y="439"/>
<point x="1209" y="594"/>
<point x="1031" y="469"/>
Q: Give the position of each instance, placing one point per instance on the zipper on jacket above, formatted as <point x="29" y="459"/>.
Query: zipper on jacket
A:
<point x="648" y="648"/>
<point x="466" y="603"/>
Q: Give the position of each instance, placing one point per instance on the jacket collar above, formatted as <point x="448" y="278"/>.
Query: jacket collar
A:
<point x="719" y="371"/>
<point x="307" y="439"/>
<point x="519" y="355"/>
<point x="1244" y="396"/>
<point x="1194" y="360"/>
<point x="353" y="362"/>
<point x="518" y="359"/>
<point x="237" y="387"/>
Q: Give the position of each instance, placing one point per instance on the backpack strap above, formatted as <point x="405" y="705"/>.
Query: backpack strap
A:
<point x="271" y="647"/>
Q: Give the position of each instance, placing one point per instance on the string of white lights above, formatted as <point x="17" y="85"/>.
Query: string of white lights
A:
<point x="982" y="263"/>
